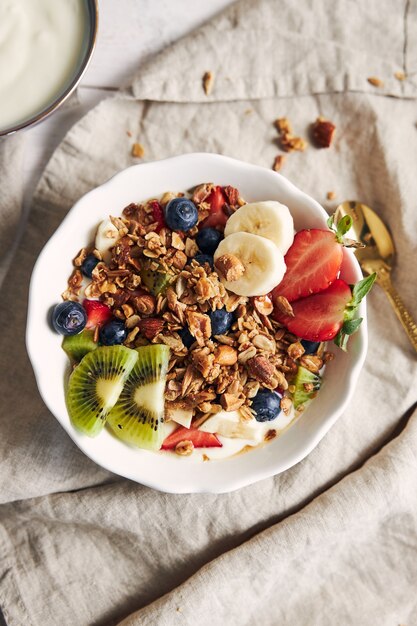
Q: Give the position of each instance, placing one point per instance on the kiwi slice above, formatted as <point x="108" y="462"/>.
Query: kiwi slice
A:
<point x="307" y="385"/>
<point x="156" y="281"/>
<point x="138" y="415"/>
<point x="77" y="346"/>
<point x="95" y="385"/>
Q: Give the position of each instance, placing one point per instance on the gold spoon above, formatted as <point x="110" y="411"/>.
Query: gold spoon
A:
<point x="377" y="256"/>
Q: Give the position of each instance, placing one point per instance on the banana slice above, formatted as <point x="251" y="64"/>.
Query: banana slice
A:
<point x="229" y="424"/>
<point x="106" y="236"/>
<point x="249" y="265"/>
<point x="270" y="219"/>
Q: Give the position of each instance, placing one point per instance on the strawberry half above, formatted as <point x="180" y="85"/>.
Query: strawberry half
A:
<point x="157" y="215"/>
<point x="217" y="216"/>
<point x="198" y="438"/>
<point x="313" y="263"/>
<point x="97" y="313"/>
<point x="321" y="316"/>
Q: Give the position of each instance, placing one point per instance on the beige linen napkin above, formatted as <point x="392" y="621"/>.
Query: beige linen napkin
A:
<point x="80" y="546"/>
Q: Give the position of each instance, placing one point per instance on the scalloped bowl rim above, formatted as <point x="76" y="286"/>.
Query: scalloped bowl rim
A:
<point x="166" y="472"/>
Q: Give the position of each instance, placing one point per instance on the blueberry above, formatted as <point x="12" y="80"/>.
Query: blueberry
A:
<point x="310" y="347"/>
<point x="69" y="318"/>
<point x="181" y="214"/>
<point x="204" y="258"/>
<point x="113" y="333"/>
<point x="186" y="337"/>
<point x="88" y="265"/>
<point x="221" y="321"/>
<point x="208" y="239"/>
<point x="267" y="405"/>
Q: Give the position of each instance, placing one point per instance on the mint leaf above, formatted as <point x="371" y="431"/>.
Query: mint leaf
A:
<point x="341" y="340"/>
<point x="343" y="226"/>
<point x="351" y="326"/>
<point x="360" y="290"/>
<point x="330" y="222"/>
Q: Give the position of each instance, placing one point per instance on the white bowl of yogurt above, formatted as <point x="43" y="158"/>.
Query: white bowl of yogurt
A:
<point x="229" y="468"/>
<point x="45" y="48"/>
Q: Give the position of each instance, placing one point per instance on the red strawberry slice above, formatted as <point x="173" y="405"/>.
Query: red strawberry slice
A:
<point x="157" y="215"/>
<point x="217" y="216"/>
<point x="97" y="313"/>
<point x="199" y="438"/>
<point x="318" y="317"/>
<point x="313" y="263"/>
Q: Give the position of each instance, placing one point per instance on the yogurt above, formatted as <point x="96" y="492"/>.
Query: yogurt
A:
<point x="41" y="47"/>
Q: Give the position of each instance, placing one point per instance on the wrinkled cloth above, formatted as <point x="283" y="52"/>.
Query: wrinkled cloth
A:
<point x="333" y="539"/>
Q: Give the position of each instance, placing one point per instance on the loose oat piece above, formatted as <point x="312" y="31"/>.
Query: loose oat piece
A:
<point x="208" y="82"/>
<point x="375" y="82"/>
<point x="278" y="162"/>
<point x="322" y="132"/>
<point x="138" y="151"/>
<point x="331" y="195"/>
<point x="282" y="303"/>
<point x="400" y="75"/>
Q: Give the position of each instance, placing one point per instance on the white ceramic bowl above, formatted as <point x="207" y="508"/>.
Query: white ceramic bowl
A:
<point x="162" y="471"/>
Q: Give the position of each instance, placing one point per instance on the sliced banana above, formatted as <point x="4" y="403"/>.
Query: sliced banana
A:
<point x="263" y="264"/>
<point x="269" y="219"/>
<point x="106" y="236"/>
<point x="229" y="424"/>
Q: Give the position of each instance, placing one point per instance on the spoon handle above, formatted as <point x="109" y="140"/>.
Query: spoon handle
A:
<point x="410" y="327"/>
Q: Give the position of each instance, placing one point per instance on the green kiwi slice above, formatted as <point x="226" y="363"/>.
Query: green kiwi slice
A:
<point x="307" y="385"/>
<point x="138" y="415"/>
<point x="156" y="281"/>
<point x="95" y="385"/>
<point x="77" y="346"/>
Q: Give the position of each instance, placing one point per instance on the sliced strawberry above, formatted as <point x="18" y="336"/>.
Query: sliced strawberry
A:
<point x="199" y="438"/>
<point x="217" y="216"/>
<point x="157" y="215"/>
<point x="318" y="317"/>
<point x="97" y="313"/>
<point x="313" y="263"/>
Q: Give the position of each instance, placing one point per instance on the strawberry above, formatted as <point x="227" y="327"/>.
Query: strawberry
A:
<point x="328" y="314"/>
<point x="313" y="263"/>
<point x="157" y="215"/>
<point x="97" y="313"/>
<point x="217" y="216"/>
<point x="199" y="438"/>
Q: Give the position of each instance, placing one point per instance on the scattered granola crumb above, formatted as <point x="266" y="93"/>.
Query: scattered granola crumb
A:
<point x="400" y="75"/>
<point x="331" y="195"/>
<point x="138" y="150"/>
<point x="322" y="132"/>
<point x="375" y="82"/>
<point x="128" y="133"/>
<point x="278" y="162"/>
<point x="248" y="111"/>
<point x="271" y="434"/>
<point x="283" y="125"/>
<point x="208" y="81"/>
<point x="290" y="143"/>
<point x="206" y="458"/>
<point x="184" y="448"/>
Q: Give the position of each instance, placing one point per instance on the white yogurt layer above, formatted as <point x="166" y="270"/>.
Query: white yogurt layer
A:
<point x="41" y="42"/>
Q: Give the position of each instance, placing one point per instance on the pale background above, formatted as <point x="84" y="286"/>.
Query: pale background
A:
<point x="130" y="32"/>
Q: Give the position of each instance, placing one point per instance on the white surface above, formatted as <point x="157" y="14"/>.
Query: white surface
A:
<point x="167" y="471"/>
<point x="130" y="32"/>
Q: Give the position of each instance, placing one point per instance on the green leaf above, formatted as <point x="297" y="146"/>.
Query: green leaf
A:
<point x="343" y="226"/>
<point x="341" y="340"/>
<point x="351" y="326"/>
<point x="330" y="222"/>
<point x="361" y="289"/>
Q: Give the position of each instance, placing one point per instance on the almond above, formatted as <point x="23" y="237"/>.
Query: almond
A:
<point x="260" y="368"/>
<point x="225" y="355"/>
<point x="150" y="327"/>
<point x="230" y="267"/>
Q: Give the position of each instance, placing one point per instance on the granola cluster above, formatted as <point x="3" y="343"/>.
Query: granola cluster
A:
<point x="222" y="372"/>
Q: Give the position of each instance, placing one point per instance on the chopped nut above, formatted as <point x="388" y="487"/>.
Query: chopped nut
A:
<point x="179" y="260"/>
<point x="283" y="125"/>
<point x="260" y="368"/>
<point x="375" y="82"/>
<point x="278" y="162"/>
<point x="144" y="304"/>
<point x="331" y="195"/>
<point x="205" y="458"/>
<point x="208" y="82"/>
<point x="150" y="327"/>
<point x="271" y="434"/>
<point x="286" y="405"/>
<point x="184" y="448"/>
<point x="283" y="305"/>
<point x="322" y="132"/>
<point x="327" y="357"/>
<point x="230" y="267"/>
<point x="263" y="304"/>
<point x="127" y="310"/>
<point x="199" y="326"/>
<point x="225" y="355"/>
<point x="400" y="75"/>
<point x="290" y="143"/>
<point x="202" y="361"/>
<point x="308" y="387"/>
<point x="138" y="150"/>
<point x="231" y="402"/>
<point x="80" y="258"/>
<point x="295" y="350"/>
